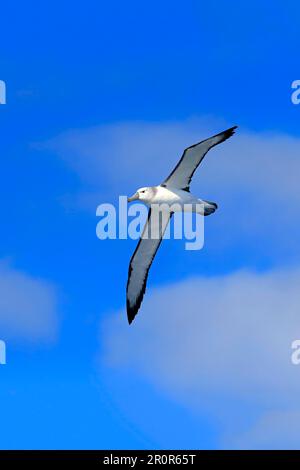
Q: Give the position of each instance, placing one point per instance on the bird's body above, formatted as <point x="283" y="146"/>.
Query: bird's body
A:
<point x="170" y="196"/>
<point x="177" y="200"/>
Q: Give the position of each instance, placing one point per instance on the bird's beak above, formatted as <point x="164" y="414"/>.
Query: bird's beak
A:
<point x="133" y="198"/>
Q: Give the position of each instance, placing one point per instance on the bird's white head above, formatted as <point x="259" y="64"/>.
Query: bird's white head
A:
<point x="143" y="194"/>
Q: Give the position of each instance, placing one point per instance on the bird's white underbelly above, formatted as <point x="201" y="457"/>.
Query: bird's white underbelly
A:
<point x="177" y="200"/>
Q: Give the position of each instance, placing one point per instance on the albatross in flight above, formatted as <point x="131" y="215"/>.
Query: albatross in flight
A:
<point x="174" y="190"/>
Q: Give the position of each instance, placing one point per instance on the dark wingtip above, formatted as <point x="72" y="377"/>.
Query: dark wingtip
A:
<point x="228" y="133"/>
<point x="231" y="131"/>
<point x="131" y="313"/>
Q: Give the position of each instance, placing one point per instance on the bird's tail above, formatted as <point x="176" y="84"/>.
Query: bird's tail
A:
<point x="209" y="207"/>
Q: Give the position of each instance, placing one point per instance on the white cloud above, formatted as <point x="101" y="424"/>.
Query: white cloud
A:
<point x="274" y="430"/>
<point x="120" y="157"/>
<point x="253" y="176"/>
<point x="221" y="344"/>
<point x="28" y="307"/>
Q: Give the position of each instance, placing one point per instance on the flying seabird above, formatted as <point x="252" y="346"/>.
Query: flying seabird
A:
<point x="175" y="189"/>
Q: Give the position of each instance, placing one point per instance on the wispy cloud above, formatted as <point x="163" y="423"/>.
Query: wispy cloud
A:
<point x="274" y="430"/>
<point x="253" y="176"/>
<point x="218" y="344"/>
<point x="28" y="307"/>
<point x="121" y="156"/>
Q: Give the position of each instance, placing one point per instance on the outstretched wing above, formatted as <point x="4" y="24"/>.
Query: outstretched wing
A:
<point x="142" y="258"/>
<point x="181" y="176"/>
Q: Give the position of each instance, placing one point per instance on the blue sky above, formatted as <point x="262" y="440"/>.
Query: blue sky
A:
<point x="88" y="87"/>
